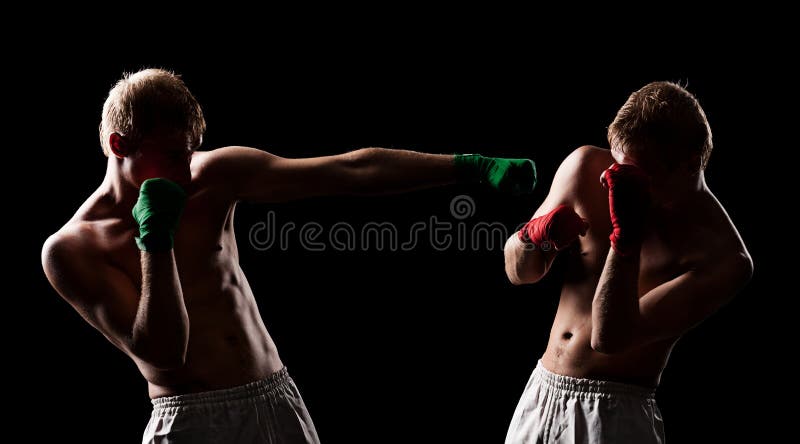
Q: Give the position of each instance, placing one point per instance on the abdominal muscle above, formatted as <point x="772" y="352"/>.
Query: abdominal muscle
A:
<point x="569" y="350"/>
<point x="227" y="348"/>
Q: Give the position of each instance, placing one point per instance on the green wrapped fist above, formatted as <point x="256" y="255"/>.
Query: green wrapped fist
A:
<point x="157" y="212"/>
<point x="516" y="176"/>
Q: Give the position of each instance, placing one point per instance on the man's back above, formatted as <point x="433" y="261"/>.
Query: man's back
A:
<point x="228" y="342"/>
<point x="694" y="234"/>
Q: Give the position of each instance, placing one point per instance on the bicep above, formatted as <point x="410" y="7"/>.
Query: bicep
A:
<point x="103" y="295"/>
<point x="253" y="175"/>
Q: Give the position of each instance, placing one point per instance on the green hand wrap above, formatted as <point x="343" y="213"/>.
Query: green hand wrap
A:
<point x="157" y="212"/>
<point x="516" y="176"/>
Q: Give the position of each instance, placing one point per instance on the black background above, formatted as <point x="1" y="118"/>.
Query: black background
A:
<point x="420" y="346"/>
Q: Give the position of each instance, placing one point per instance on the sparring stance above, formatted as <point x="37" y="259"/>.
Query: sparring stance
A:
<point x="150" y="259"/>
<point x="649" y="254"/>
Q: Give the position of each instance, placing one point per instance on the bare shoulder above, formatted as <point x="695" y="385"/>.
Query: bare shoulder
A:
<point x="76" y="235"/>
<point x="588" y="157"/>
<point x="224" y="169"/>
<point x="589" y="154"/>
<point x="78" y="269"/>
<point x="210" y="158"/>
<point x="227" y="159"/>
<point x="578" y="177"/>
<point x="584" y="164"/>
<point x="75" y="241"/>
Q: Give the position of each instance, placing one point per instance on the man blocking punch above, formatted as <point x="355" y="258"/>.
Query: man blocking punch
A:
<point x="650" y="253"/>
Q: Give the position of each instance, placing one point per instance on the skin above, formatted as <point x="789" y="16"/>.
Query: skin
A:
<point x="187" y="317"/>
<point x="618" y="318"/>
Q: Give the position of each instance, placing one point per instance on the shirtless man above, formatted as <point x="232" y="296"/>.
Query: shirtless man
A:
<point x="150" y="259"/>
<point x="650" y="253"/>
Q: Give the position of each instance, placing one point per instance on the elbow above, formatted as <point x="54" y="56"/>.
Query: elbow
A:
<point x="520" y="276"/>
<point x="362" y="159"/>
<point x="519" y="271"/>
<point x="165" y="361"/>
<point x="611" y="337"/>
<point x="359" y="167"/>
<point x="514" y="279"/>
<point x="606" y="345"/>
<point x="166" y="365"/>
<point x="512" y="271"/>
<point x="160" y="357"/>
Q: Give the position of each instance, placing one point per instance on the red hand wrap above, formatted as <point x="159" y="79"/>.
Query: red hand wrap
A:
<point x="628" y="203"/>
<point x="559" y="227"/>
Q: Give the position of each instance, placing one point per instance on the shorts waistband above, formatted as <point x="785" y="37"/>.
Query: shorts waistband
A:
<point x="590" y="386"/>
<point x="263" y="386"/>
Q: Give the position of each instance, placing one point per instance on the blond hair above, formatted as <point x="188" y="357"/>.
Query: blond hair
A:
<point x="147" y="101"/>
<point x="666" y="118"/>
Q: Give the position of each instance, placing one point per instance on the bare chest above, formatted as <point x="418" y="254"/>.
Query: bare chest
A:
<point x="204" y="246"/>
<point x="667" y="250"/>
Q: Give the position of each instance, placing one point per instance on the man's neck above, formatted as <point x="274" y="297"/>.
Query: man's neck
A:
<point x="683" y="192"/>
<point x="115" y="191"/>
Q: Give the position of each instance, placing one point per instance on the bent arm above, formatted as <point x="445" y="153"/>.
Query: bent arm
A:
<point x="621" y="320"/>
<point x="151" y="326"/>
<point x="527" y="263"/>
<point x="615" y="307"/>
<point x="257" y="176"/>
<point x="160" y="333"/>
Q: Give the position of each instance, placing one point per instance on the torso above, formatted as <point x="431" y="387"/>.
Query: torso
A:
<point x="228" y="342"/>
<point x="676" y="239"/>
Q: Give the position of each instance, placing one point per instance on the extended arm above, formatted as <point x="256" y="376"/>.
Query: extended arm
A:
<point x="257" y="176"/>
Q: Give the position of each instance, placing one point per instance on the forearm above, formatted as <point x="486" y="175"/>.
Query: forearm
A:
<point x="615" y="307"/>
<point x="383" y="171"/>
<point x="526" y="263"/>
<point x="161" y="328"/>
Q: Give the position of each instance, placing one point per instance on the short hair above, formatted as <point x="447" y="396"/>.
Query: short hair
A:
<point x="666" y="118"/>
<point x="147" y="101"/>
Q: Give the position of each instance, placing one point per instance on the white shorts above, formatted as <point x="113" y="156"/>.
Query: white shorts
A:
<point x="561" y="409"/>
<point x="266" y="411"/>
